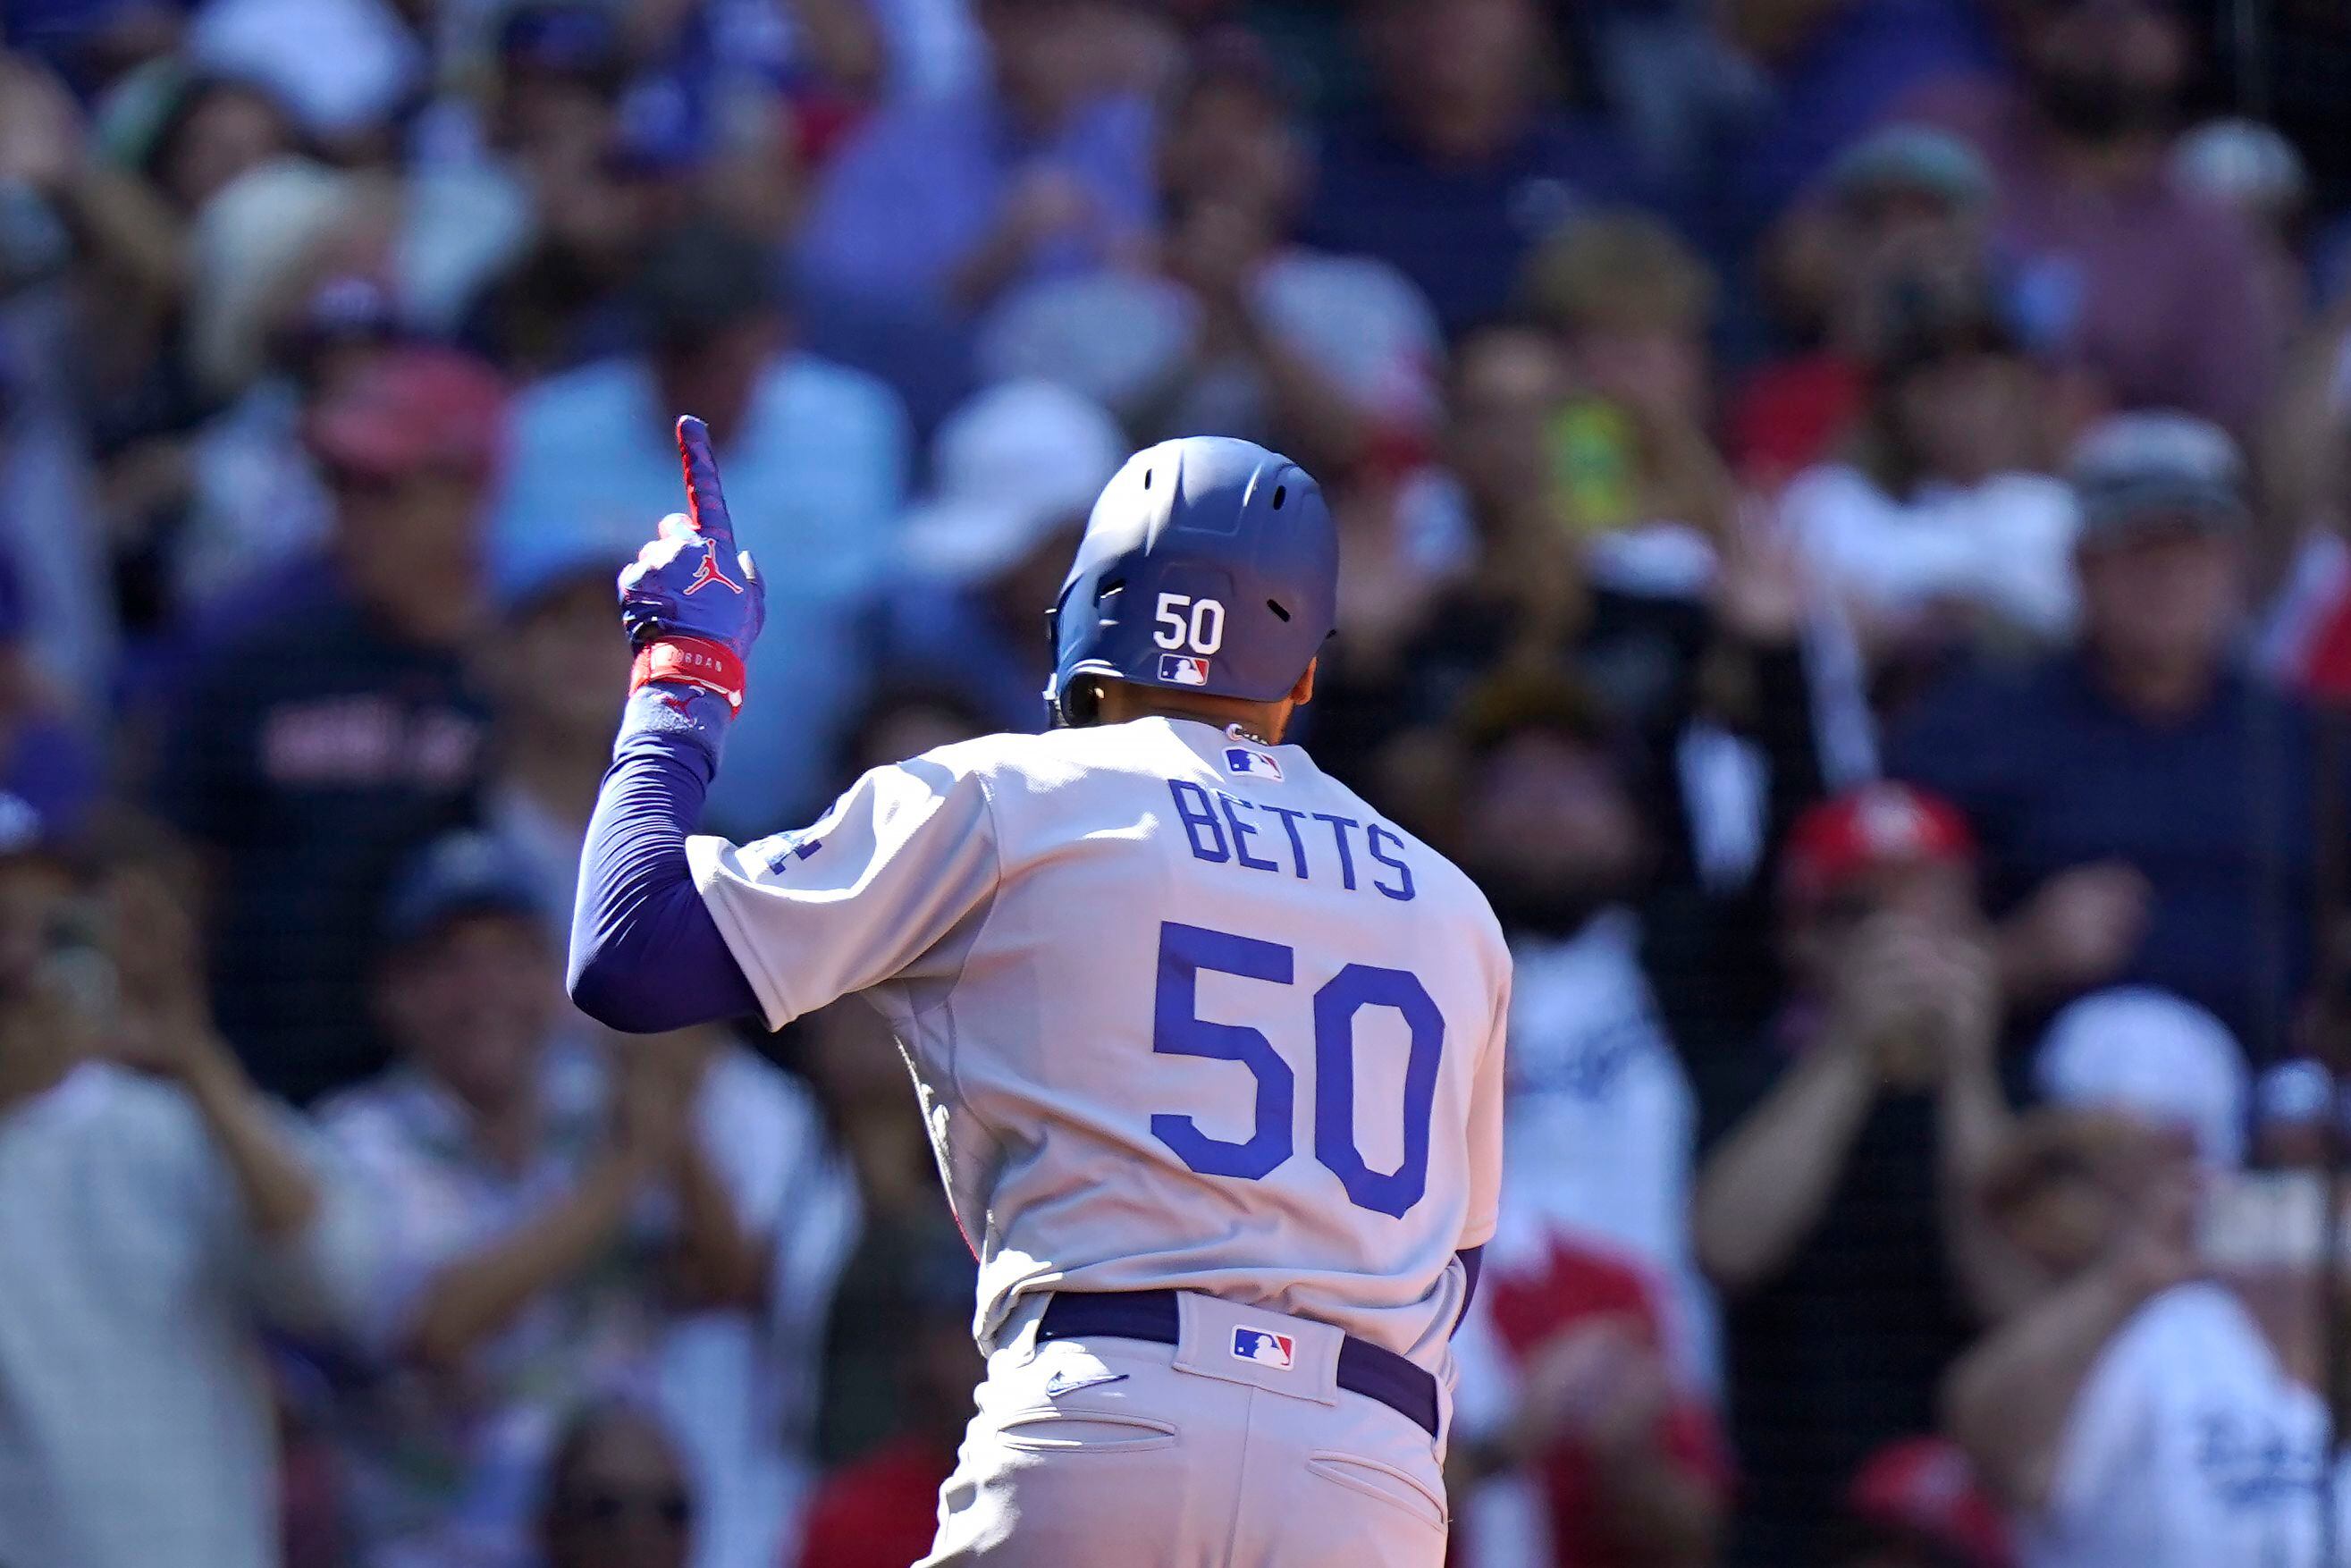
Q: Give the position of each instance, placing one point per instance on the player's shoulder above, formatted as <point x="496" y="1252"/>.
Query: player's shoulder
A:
<point x="1052" y="758"/>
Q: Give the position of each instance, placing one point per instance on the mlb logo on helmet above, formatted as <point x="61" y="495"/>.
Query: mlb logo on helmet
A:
<point x="1240" y="760"/>
<point x="1183" y="670"/>
<point x="1265" y="1347"/>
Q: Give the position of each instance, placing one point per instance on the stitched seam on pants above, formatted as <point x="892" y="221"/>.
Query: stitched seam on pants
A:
<point x="1241" y="1476"/>
<point x="1333" y="1464"/>
<point x="1337" y="1478"/>
<point x="1031" y="1431"/>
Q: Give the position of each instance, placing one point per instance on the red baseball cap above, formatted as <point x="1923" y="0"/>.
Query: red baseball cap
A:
<point x="412" y="408"/>
<point x="1865" y="830"/>
<point x="1925" y="1487"/>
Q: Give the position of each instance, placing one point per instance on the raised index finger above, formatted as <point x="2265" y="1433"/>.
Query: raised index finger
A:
<point x="705" y="504"/>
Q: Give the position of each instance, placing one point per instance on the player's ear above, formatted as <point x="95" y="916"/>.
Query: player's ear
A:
<point x="1303" y="691"/>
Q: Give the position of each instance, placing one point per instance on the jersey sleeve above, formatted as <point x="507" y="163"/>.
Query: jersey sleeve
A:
<point x="1486" y="1125"/>
<point x="879" y="888"/>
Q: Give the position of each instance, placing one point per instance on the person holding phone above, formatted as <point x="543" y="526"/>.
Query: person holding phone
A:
<point x="155" y="1211"/>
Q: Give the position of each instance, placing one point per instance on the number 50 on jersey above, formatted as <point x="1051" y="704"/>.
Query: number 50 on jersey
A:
<point x="1177" y="1030"/>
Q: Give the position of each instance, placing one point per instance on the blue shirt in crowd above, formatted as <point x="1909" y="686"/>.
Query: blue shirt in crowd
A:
<point x="924" y="183"/>
<point x="1837" y="84"/>
<point x="1460" y="231"/>
<point x="920" y="187"/>
<point x="2214" y="810"/>
<point x="815" y="479"/>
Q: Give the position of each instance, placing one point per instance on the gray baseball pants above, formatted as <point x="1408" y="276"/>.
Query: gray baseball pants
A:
<point x="1116" y="1453"/>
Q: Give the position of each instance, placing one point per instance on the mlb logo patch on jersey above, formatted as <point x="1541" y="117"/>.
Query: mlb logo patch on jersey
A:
<point x="1183" y="669"/>
<point x="1242" y="761"/>
<point x="1264" y="1347"/>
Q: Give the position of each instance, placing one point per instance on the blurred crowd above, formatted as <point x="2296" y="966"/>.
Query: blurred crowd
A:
<point x="1845" y="510"/>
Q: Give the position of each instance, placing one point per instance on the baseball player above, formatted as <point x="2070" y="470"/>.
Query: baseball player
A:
<point x="1210" y="1054"/>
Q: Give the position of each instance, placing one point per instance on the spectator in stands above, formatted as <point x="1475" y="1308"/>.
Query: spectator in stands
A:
<point x="1585" y="1425"/>
<point x="202" y="131"/>
<point x="320" y="743"/>
<point x="888" y="1286"/>
<point x="555" y="711"/>
<point x="815" y="457"/>
<point x="257" y="252"/>
<point x="1601" y="1125"/>
<point x="2163" y="1404"/>
<point x="2144" y="802"/>
<point x="1942" y="527"/>
<point x="528" y="1267"/>
<point x="2254" y="172"/>
<point x="1014" y="473"/>
<point x="740" y="1390"/>
<point x="1466" y="163"/>
<point x="1236" y="330"/>
<point x="1904" y="203"/>
<point x="1830" y="70"/>
<point x="937" y="206"/>
<point x="1490" y="573"/>
<point x="255" y="489"/>
<point x="206" y="381"/>
<point x="1833" y="1145"/>
<point x="49" y="758"/>
<point x="2167" y="296"/>
<point x="1502" y="582"/>
<point x="284" y="271"/>
<point x="1568" y="1378"/>
<point x="1594" y="1247"/>
<point x="1631" y="450"/>
<point x="880" y="1509"/>
<point x="48" y="488"/>
<point x="1453" y="528"/>
<point x="80" y="218"/>
<point x="2299" y="559"/>
<point x="2165" y="1061"/>
<point x="2129" y="1058"/>
<point x="616" y="1493"/>
<point x="525" y="233"/>
<point x="154" y="1212"/>
<point x="1918" y="1505"/>
<point x="344" y="72"/>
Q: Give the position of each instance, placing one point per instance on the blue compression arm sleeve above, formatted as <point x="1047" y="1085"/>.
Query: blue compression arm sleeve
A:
<point x="646" y="955"/>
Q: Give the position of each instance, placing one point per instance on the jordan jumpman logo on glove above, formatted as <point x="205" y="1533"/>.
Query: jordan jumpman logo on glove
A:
<point x="690" y="645"/>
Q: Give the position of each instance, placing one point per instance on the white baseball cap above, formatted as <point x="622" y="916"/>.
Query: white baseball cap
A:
<point x="2159" y="1056"/>
<point x="1009" y="469"/>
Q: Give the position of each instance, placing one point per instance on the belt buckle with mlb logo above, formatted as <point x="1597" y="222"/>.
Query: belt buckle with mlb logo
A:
<point x="1264" y="1348"/>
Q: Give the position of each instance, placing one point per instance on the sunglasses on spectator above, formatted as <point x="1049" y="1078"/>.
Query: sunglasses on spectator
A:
<point x="670" y="1510"/>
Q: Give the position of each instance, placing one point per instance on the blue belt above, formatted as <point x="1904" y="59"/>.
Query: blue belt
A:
<point x="1152" y="1316"/>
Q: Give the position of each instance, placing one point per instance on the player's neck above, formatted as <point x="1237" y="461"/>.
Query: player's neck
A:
<point x="1260" y="722"/>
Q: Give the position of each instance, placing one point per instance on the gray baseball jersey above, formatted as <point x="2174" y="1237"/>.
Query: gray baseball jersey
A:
<point x="1182" y="1012"/>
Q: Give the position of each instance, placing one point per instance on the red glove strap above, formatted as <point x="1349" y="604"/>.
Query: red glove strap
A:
<point x="691" y="661"/>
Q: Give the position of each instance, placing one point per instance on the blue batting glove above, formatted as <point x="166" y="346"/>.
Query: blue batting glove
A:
<point x="693" y="606"/>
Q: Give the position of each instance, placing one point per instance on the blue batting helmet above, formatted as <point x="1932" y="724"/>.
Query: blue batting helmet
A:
<point x="1210" y="565"/>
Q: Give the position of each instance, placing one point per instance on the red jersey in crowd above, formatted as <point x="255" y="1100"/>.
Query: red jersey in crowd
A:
<point x="1573" y="1281"/>
<point x="880" y="1512"/>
